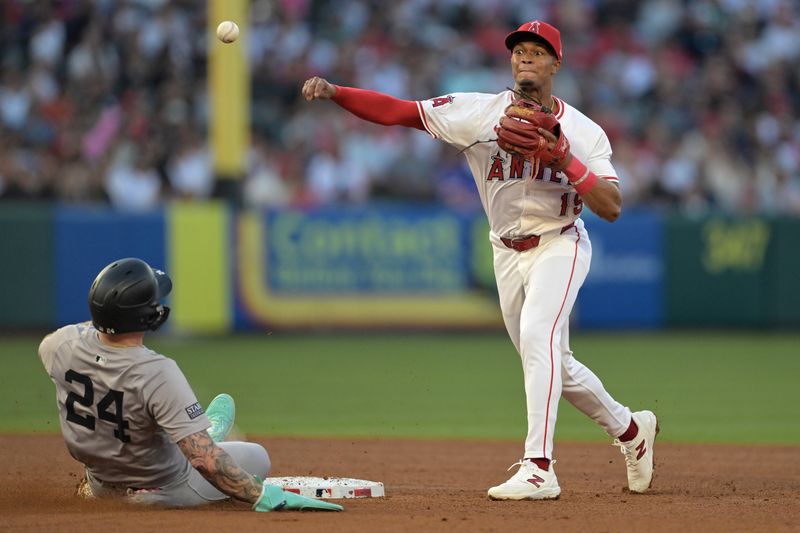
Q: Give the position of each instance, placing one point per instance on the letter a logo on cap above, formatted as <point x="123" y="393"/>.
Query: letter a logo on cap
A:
<point x="543" y="30"/>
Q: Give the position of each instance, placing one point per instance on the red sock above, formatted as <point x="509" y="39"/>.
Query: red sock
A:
<point x="630" y="433"/>
<point x="541" y="462"/>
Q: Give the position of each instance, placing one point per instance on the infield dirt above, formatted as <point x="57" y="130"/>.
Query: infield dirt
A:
<point x="438" y="485"/>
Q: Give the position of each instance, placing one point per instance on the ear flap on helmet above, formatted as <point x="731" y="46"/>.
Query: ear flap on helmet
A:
<point x="159" y="317"/>
<point x="125" y="297"/>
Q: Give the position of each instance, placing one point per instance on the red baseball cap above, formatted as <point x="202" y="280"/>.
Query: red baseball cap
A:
<point x="536" y="30"/>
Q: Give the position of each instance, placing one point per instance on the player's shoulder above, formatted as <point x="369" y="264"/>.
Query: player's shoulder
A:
<point x="470" y="98"/>
<point x="148" y="362"/>
<point x="156" y="374"/>
<point x="569" y="113"/>
<point x="63" y="335"/>
<point x="147" y="356"/>
<point x="68" y="335"/>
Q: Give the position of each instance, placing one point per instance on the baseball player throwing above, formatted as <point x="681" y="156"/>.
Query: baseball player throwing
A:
<point x="536" y="161"/>
<point x="129" y="415"/>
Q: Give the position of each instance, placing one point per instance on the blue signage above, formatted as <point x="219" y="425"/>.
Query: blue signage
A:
<point x="87" y="239"/>
<point x="625" y="285"/>
<point x="376" y="248"/>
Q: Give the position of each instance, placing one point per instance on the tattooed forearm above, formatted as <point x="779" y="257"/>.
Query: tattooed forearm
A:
<point x="219" y="468"/>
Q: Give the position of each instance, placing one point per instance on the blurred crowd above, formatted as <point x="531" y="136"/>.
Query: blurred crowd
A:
<point x="107" y="101"/>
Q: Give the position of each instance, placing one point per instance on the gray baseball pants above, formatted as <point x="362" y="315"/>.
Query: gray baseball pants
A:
<point x="194" y="490"/>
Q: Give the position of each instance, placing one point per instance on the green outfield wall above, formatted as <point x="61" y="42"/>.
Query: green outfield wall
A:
<point x="27" y="276"/>
<point x="732" y="271"/>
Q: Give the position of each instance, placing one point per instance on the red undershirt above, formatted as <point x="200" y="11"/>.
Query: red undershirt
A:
<point x="378" y="107"/>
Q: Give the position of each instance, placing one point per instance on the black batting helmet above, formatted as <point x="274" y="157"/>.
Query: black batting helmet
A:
<point x="125" y="297"/>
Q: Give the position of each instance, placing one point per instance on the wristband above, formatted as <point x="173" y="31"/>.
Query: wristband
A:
<point x="579" y="176"/>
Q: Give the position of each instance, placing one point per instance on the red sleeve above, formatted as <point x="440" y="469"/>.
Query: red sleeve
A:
<point x="378" y="107"/>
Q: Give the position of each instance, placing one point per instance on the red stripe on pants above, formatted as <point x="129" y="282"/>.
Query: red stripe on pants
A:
<point x="552" y="333"/>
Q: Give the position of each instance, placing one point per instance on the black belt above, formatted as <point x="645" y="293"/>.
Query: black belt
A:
<point x="521" y="244"/>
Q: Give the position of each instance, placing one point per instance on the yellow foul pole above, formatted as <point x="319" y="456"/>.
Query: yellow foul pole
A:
<point x="229" y="92"/>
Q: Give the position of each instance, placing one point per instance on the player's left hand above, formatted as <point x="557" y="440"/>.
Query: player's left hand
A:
<point x="557" y="153"/>
<point x="531" y="130"/>
<point x="274" y="498"/>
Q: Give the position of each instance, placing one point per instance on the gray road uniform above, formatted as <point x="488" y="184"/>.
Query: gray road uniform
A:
<point x="122" y="411"/>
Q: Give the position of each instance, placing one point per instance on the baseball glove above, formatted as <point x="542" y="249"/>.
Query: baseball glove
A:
<point x="518" y="132"/>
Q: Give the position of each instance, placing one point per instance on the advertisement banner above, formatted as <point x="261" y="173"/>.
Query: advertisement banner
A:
<point x="625" y="285"/>
<point x="376" y="265"/>
<point x="726" y="271"/>
<point x="391" y="266"/>
<point x="782" y="283"/>
<point x="717" y="271"/>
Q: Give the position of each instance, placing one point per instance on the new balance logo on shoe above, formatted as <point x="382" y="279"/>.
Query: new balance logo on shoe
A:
<point x="529" y="483"/>
<point x="639" y="456"/>
<point x="642" y="449"/>
<point x="535" y="481"/>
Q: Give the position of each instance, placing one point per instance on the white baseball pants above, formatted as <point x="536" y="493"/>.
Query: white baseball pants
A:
<point x="537" y="290"/>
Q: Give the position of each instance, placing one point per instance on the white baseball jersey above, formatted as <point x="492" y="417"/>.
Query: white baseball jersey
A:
<point x="522" y="199"/>
<point x="516" y="202"/>
<point x="121" y="409"/>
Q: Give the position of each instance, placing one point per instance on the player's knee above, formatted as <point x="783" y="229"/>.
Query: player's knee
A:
<point x="264" y="462"/>
<point x="258" y="461"/>
<point x="534" y="334"/>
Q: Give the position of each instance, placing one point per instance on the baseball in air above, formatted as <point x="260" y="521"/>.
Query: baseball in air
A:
<point x="227" y="31"/>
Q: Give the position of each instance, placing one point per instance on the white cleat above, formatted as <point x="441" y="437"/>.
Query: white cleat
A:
<point x="639" y="452"/>
<point x="529" y="483"/>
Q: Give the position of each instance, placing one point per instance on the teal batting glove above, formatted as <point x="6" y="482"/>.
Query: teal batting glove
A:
<point x="275" y="499"/>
